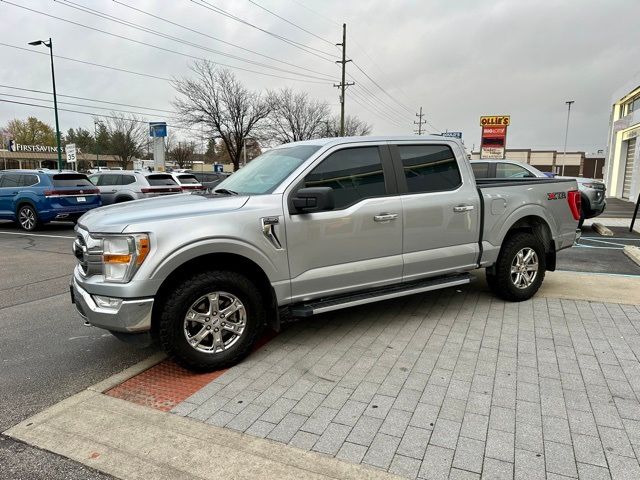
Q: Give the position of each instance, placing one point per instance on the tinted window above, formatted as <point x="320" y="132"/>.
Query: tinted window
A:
<point x="188" y="179"/>
<point x="480" y="170"/>
<point x="160" y="180"/>
<point x="353" y="173"/>
<point x="508" y="170"/>
<point x="29" y="180"/>
<point x="429" y="168"/>
<point x="71" y="180"/>
<point x="10" y="180"/>
<point x="108" y="179"/>
<point x="127" y="179"/>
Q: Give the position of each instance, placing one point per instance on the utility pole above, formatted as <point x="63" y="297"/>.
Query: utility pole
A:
<point x="566" y="134"/>
<point x="420" y="122"/>
<point x="343" y="84"/>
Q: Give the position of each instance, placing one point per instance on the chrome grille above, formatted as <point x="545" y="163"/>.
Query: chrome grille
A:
<point x="88" y="252"/>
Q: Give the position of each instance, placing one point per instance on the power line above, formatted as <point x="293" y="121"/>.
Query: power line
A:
<point x="373" y="108"/>
<point x="158" y="47"/>
<point x="215" y="38"/>
<point x="381" y="88"/>
<point x="86" y="98"/>
<point x="82" y="105"/>
<point x="361" y="102"/>
<point x="88" y="113"/>
<point x="293" y="43"/>
<point x="148" y="75"/>
<point x="112" y="18"/>
<point x="290" y="22"/>
<point x="315" y="12"/>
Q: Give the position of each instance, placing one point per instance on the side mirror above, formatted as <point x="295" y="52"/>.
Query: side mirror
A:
<point x="313" y="199"/>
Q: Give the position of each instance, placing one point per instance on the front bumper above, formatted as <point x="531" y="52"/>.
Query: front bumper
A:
<point x="132" y="316"/>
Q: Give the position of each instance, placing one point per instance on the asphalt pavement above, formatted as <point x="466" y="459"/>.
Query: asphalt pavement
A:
<point x="46" y="353"/>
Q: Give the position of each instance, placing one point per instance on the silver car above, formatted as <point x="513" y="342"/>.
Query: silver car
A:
<point x="592" y="191"/>
<point x="126" y="185"/>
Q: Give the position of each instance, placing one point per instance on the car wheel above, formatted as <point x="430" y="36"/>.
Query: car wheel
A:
<point x="210" y="321"/>
<point x="520" y="268"/>
<point x="28" y="218"/>
<point x="123" y="199"/>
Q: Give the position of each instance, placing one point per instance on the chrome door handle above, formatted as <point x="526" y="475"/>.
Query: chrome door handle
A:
<point x="463" y="208"/>
<point x="385" y="217"/>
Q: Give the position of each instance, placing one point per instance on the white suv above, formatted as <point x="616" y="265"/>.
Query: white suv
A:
<point x="118" y="186"/>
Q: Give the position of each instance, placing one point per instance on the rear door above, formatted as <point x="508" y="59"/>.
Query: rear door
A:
<point x="9" y="188"/>
<point x="358" y="244"/>
<point x="441" y="210"/>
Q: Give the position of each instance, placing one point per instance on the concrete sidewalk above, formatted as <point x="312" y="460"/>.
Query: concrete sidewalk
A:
<point x="451" y="384"/>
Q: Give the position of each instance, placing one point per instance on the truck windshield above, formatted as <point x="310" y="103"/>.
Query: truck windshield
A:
<point x="267" y="171"/>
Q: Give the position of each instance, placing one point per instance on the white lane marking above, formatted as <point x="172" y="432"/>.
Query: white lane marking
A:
<point x="600" y="273"/>
<point x="615" y="238"/>
<point x="607" y="242"/>
<point x="599" y="248"/>
<point x="35" y="235"/>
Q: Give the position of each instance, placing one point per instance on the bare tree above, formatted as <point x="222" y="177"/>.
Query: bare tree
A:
<point x="127" y="136"/>
<point x="294" y="116"/>
<point x="353" y="127"/>
<point x="216" y="99"/>
<point x="182" y="154"/>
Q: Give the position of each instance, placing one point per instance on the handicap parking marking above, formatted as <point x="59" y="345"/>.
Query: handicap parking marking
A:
<point x="35" y="235"/>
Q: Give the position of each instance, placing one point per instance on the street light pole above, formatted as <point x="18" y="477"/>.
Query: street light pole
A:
<point x="49" y="45"/>
<point x="566" y="134"/>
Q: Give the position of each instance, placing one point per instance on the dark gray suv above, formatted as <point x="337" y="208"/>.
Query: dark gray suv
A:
<point x="118" y="186"/>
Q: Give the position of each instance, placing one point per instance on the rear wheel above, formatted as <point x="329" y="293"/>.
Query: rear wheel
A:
<point x="28" y="218"/>
<point x="211" y="320"/>
<point x="520" y="268"/>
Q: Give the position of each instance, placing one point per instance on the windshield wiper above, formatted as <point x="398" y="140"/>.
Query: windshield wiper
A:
<point x="225" y="191"/>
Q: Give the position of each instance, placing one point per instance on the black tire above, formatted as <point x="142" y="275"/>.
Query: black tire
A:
<point x="501" y="282"/>
<point x="27" y="218"/>
<point x="173" y="311"/>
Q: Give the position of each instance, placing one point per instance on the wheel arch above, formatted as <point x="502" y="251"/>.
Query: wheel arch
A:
<point x="220" y="261"/>
<point x="539" y="227"/>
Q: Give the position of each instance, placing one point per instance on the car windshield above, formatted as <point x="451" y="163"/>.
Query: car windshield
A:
<point x="267" y="171"/>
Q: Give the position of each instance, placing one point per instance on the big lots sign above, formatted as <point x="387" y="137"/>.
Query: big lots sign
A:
<point x="494" y="135"/>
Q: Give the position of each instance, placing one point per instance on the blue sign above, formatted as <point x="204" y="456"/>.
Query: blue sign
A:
<point x="157" y="129"/>
<point x="218" y="167"/>
<point x="457" y="135"/>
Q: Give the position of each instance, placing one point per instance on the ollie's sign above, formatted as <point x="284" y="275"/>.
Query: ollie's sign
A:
<point x="494" y="136"/>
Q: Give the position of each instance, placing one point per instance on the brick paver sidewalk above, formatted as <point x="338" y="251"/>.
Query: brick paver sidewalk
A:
<point x="454" y="384"/>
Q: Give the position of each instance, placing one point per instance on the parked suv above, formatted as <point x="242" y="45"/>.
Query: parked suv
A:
<point x="126" y="185"/>
<point x="592" y="192"/>
<point x="34" y="197"/>
<point x="188" y="182"/>
<point x="209" y="179"/>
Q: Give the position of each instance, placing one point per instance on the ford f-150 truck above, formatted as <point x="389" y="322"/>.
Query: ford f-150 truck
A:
<point x="312" y="227"/>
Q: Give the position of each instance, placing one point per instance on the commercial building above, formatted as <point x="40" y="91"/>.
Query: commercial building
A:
<point x="576" y="164"/>
<point x="623" y="167"/>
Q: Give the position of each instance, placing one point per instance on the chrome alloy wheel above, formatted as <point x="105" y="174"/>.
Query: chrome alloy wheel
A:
<point x="27" y="218"/>
<point x="215" y="322"/>
<point x="524" y="268"/>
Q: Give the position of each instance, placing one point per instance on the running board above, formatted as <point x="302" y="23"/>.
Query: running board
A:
<point x="362" y="298"/>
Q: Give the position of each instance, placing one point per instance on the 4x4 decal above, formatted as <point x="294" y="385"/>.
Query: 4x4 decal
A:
<point x="556" y="195"/>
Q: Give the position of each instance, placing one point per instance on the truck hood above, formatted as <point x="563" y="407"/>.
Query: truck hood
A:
<point x="115" y="218"/>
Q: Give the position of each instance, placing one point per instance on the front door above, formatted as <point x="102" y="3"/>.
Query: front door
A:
<point x="441" y="211"/>
<point x="358" y="244"/>
<point x="9" y="188"/>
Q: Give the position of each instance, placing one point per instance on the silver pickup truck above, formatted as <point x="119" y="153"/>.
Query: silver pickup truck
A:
<point x="312" y="227"/>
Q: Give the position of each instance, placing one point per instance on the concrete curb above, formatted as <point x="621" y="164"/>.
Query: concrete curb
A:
<point x="602" y="230"/>
<point x="133" y="442"/>
<point x="132" y="371"/>
<point x="633" y="253"/>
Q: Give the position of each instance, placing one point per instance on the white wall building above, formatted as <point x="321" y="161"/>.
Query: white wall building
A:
<point x="622" y="172"/>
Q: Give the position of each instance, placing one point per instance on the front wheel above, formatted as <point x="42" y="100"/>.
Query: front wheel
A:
<point x="211" y="320"/>
<point x="28" y="218"/>
<point x="520" y="268"/>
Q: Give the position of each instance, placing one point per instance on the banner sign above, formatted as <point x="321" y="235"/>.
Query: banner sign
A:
<point x="494" y="136"/>
<point x="18" y="147"/>
<point x="157" y="129"/>
<point x="452" y="134"/>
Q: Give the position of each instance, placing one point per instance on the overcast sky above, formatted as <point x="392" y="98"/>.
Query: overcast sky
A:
<point x="457" y="59"/>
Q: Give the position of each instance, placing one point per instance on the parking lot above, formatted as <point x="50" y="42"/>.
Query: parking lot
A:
<point x="455" y="384"/>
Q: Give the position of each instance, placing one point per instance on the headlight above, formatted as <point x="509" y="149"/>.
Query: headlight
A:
<point x="122" y="255"/>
